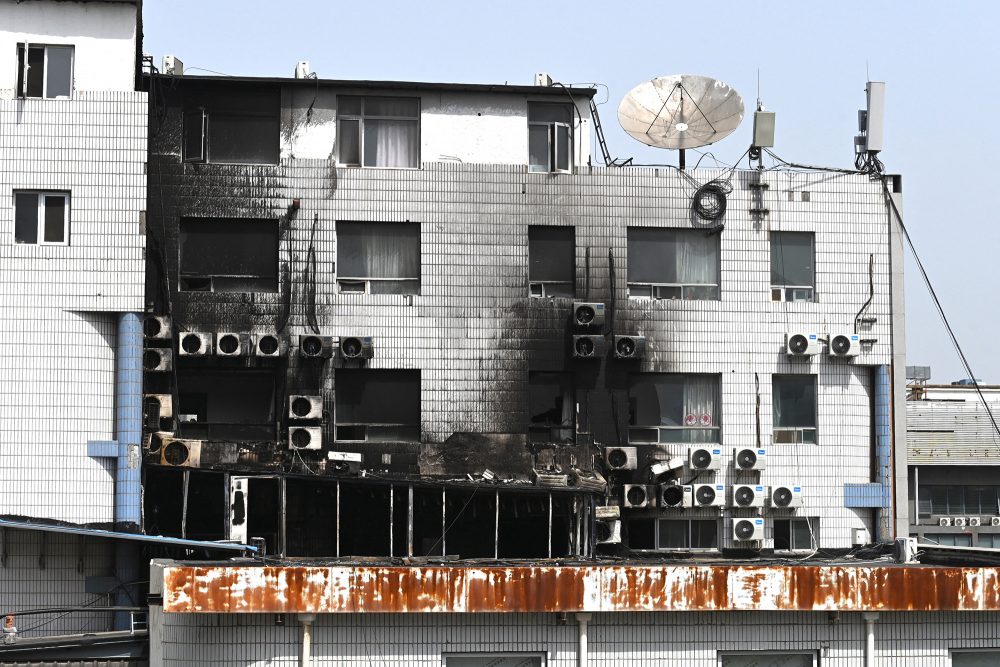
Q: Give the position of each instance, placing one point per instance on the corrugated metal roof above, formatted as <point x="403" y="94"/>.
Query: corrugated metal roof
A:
<point x="950" y="433"/>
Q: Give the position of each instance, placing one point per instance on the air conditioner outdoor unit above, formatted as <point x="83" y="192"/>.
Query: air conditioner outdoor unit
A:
<point x="621" y="458"/>
<point x="995" y="520"/>
<point x="844" y="345"/>
<point x="305" y="407"/>
<point x="609" y="531"/>
<point x="749" y="495"/>
<point x="958" y="521"/>
<point x="181" y="453"/>
<point x="708" y="457"/>
<point x="630" y="347"/>
<point x="588" y="314"/>
<point x="588" y="347"/>
<point x="750" y="458"/>
<point x="944" y="521"/>
<point x="799" y="343"/>
<point x="305" y="437"/>
<point x="229" y="344"/>
<point x="975" y="521"/>
<point x="709" y="495"/>
<point x="194" y="344"/>
<point x="316" y="347"/>
<point x="164" y="404"/>
<point x="786" y="497"/>
<point x="676" y="495"/>
<point x="357" y="347"/>
<point x="748" y="530"/>
<point x="157" y="360"/>
<point x="156" y="326"/>
<point x="268" y="345"/>
<point x="154" y="441"/>
<point x="345" y="463"/>
<point x="637" y="495"/>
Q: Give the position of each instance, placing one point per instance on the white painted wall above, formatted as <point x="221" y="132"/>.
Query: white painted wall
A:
<point x="102" y="34"/>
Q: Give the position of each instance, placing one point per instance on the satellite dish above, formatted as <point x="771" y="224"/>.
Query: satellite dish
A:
<point x="681" y="111"/>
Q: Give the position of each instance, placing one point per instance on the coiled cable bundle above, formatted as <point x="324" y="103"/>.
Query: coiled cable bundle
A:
<point x="709" y="201"/>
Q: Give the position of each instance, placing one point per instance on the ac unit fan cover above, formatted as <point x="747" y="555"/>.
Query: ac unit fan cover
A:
<point x="176" y="453"/>
<point x="604" y="531"/>
<point x="701" y="458"/>
<point x="584" y="346"/>
<point x="744" y="529"/>
<point x="585" y="314"/>
<point x="798" y="344"/>
<point x="743" y="496"/>
<point x="840" y="344"/>
<point x="636" y="495"/>
<point x="705" y="495"/>
<point x="617" y="458"/>
<point x="312" y="346"/>
<point x="783" y="497"/>
<point x="229" y="344"/>
<point x="747" y="458"/>
<point x="673" y="495"/>
<point x="625" y="347"/>
<point x="191" y="343"/>
<point x="268" y="344"/>
<point x="301" y="438"/>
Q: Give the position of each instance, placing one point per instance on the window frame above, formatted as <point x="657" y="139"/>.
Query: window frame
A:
<point x="337" y="424"/>
<point x="690" y="534"/>
<point x="552" y="134"/>
<point x="566" y="385"/>
<point x="182" y="233"/>
<point x="360" y="118"/>
<point x="41" y="195"/>
<point x="543" y="658"/>
<point x="22" y="74"/>
<point x="792" y="652"/>
<point x="799" y="433"/>
<point x="661" y="291"/>
<point x="538" y="289"/>
<point x="639" y="433"/>
<point x="267" y="106"/>
<point x="781" y="293"/>
<point x="812" y="526"/>
<point x="366" y="281"/>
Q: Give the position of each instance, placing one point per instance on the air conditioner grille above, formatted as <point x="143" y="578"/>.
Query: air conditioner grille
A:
<point x="744" y="529"/>
<point x="636" y="496"/>
<point x="705" y="495"/>
<point x="744" y="496"/>
<point x="746" y="459"/>
<point x="673" y="495"/>
<point x="701" y="458"/>
<point x="782" y="496"/>
<point x="175" y="453"/>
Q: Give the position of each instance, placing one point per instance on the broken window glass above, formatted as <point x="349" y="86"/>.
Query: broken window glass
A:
<point x="673" y="263"/>
<point x="550" y="136"/>
<point x="378" y="131"/>
<point x="551" y="407"/>
<point x="41" y="217"/>
<point x="234" y="126"/>
<point x="793" y="273"/>
<point x="794" y="408"/>
<point x="669" y="407"/>
<point x="228" y="255"/>
<point x="226" y="405"/>
<point x="48" y="71"/>
<point x="795" y="534"/>
<point x="378" y="257"/>
<point x="377" y="405"/>
<point x="551" y="261"/>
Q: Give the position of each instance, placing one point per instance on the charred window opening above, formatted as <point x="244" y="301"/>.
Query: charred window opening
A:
<point x="311" y="518"/>
<point x="503" y="659"/>
<point x="365" y="530"/>
<point x="796" y="534"/>
<point x="552" y="407"/>
<point x="524" y="526"/>
<point x="794" y="408"/>
<point x="793" y="271"/>
<point x="232" y="127"/>
<point x="687" y="534"/>
<point x="263" y="511"/>
<point x="378" y="257"/>
<point x="427" y="528"/>
<point x="206" y="506"/>
<point x="642" y="534"/>
<point x="551" y="261"/>
<point x="470" y="517"/>
<point x="228" y="255"/>
<point x="47" y="71"/>
<point x="550" y="136"/>
<point x="226" y="405"/>
<point x="673" y="264"/>
<point x="668" y="407"/>
<point x="163" y="501"/>
<point x="769" y="659"/>
<point x="400" y="520"/>
<point x="377" y="405"/>
<point x="378" y="131"/>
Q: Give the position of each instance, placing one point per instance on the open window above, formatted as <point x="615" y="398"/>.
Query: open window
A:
<point x="687" y="534"/>
<point x="228" y="255"/>
<point x="673" y="264"/>
<point x="794" y="408"/>
<point x="41" y="218"/>
<point x="670" y="407"/>
<point x="377" y="405"/>
<point x="793" y="272"/>
<point x="551" y="261"/>
<point x="232" y="126"/>
<point x="378" y="257"/>
<point x="796" y="534"/>
<point x="44" y="71"/>
<point x="378" y="131"/>
<point x="551" y="407"/>
<point x="233" y="404"/>
<point x="550" y="136"/>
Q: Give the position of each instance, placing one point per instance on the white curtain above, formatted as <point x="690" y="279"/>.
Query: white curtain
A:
<point x="697" y="258"/>
<point x="391" y="143"/>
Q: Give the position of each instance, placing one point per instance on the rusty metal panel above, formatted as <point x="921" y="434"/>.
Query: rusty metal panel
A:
<point x="556" y="588"/>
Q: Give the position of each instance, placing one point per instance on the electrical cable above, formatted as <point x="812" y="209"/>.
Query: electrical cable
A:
<point x="871" y="290"/>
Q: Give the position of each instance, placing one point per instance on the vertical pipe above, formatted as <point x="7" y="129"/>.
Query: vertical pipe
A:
<point x="392" y="512"/>
<point x="581" y="651"/>
<point x="444" y="526"/>
<point x="306" y="621"/>
<point x="883" y="450"/>
<point x="409" y="522"/>
<point x="870" y="618"/>
<point x="185" y="485"/>
<point x="496" y="527"/>
<point x="338" y="518"/>
<point x="550" y="524"/>
<point x="916" y="497"/>
<point x="284" y="523"/>
<point x="128" y="481"/>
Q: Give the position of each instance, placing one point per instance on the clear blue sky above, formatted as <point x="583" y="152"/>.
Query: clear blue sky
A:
<point x="939" y="61"/>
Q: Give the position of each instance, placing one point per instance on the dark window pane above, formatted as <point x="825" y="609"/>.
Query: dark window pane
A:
<point x="704" y="534"/>
<point x="548" y="112"/>
<point x="551" y="254"/>
<point x="392" y="106"/>
<point x="801" y="535"/>
<point x="660" y="399"/>
<point x="642" y="534"/>
<point x="20" y="70"/>
<point x="377" y="397"/>
<point x="55" y="219"/>
<point x="230" y="248"/>
<point x="794" y="401"/>
<point x="683" y="256"/>
<point x="26" y="217"/>
<point x="59" y="71"/>
<point x="538" y="148"/>
<point x="194" y="135"/>
<point x="782" y="534"/>
<point x="792" y="259"/>
<point x="551" y="403"/>
<point x="349" y="106"/>
<point x="243" y="139"/>
<point x="562" y="149"/>
<point x="349" y="141"/>
<point x="378" y="250"/>
<point x="234" y="397"/>
<point x="36" y="71"/>
<point x="674" y="535"/>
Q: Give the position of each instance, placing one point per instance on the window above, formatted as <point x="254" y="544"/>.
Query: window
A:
<point x="552" y="407"/>
<point x="672" y="263"/>
<point x="228" y="255"/>
<point x="975" y="658"/>
<point x="794" y="408"/>
<point x="959" y="499"/>
<point x="551" y="261"/>
<point x="378" y="405"/>
<point x="793" y="273"/>
<point x="767" y="659"/>
<point x="226" y="405"/>
<point x="950" y="539"/>
<point x="667" y="407"/>
<point x="41" y="217"/>
<point x="799" y="534"/>
<point x="687" y="534"/>
<point x="378" y="131"/>
<point x="378" y="257"/>
<point x="494" y="660"/>
<point x="550" y="136"/>
<point x="47" y="72"/>
<point x="234" y="127"/>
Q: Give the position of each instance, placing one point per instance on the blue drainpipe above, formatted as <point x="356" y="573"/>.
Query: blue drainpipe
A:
<point x="883" y="447"/>
<point x="128" y="479"/>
